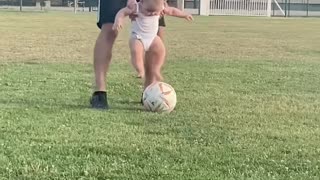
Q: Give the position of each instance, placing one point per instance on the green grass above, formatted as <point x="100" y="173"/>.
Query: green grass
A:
<point x="248" y="102"/>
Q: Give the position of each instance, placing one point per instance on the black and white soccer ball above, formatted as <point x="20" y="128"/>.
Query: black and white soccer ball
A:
<point x="159" y="97"/>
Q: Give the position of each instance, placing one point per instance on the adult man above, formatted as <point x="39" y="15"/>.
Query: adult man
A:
<point x="103" y="48"/>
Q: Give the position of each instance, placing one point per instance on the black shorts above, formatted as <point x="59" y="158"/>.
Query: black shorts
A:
<point x="162" y="22"/>
<point x="108" y="9"/>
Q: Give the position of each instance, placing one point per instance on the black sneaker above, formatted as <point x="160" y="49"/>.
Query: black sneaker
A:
<point x="99" y="100"/>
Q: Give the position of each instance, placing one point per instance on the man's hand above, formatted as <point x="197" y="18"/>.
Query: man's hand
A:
<point x="133" y="6"/>
<point x="162" y="13"/>
<point x="133" y="16"/>
<point x="117" y="26"/>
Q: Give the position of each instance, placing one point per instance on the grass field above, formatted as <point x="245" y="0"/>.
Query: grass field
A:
<point x="248" y="102"/>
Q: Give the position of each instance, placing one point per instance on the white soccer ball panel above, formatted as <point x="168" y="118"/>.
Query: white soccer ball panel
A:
<point x="159" y="97"/>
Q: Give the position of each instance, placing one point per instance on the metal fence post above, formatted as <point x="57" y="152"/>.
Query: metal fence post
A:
<point x="307" y="8"/>
<point x="269" y="8"/>
<point x="285" y="8"/>
<point x="272" y="7"/>
<point x="75" y="3"/>
<point x="289" y="3"/>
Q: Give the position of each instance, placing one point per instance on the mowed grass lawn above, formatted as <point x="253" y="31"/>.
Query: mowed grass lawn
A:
<point x="248" y="101"/>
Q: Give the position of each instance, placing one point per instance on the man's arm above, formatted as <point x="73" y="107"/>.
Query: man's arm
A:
<point x="171" y="11"/>
<point x="119" y="19"/>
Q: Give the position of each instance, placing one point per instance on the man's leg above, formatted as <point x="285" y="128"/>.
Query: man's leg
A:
<point x="162" y="25"/>
<point x="102" y="59"/>
<point x="137" y="56"/>
<point x="103" y="55"/>
<point x="103" y="49"/>
<point x="161" y="32"/>
<point x="154" y="61"/>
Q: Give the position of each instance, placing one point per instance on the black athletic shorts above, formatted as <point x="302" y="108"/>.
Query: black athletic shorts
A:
<point x="162" y="22"/>
<point x="108" y="9"/>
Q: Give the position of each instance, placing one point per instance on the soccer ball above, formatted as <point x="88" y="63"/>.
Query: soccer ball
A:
<point x="159" y="97"/>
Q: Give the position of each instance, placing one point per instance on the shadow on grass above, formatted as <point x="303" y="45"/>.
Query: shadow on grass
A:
<point x="40" y="104"/>
<point x="126" y="102"/>
<point x="123" y="105"/>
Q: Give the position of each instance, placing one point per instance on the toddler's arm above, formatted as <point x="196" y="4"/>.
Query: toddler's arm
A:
<point x="123" y="13"/>
<point x="171" y="11"/>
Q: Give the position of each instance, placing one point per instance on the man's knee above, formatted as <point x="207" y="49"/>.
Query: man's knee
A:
<point x="108" y="34"/>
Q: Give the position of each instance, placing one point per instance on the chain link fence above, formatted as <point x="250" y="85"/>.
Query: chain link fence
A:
<point x="285" y="8"/>
<point x="290" y="8"/>
<point x="34" y="5"/>
<point x="296" y="8"/>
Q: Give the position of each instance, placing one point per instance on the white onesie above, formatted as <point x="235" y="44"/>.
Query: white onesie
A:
<point x="145" y="28"/>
